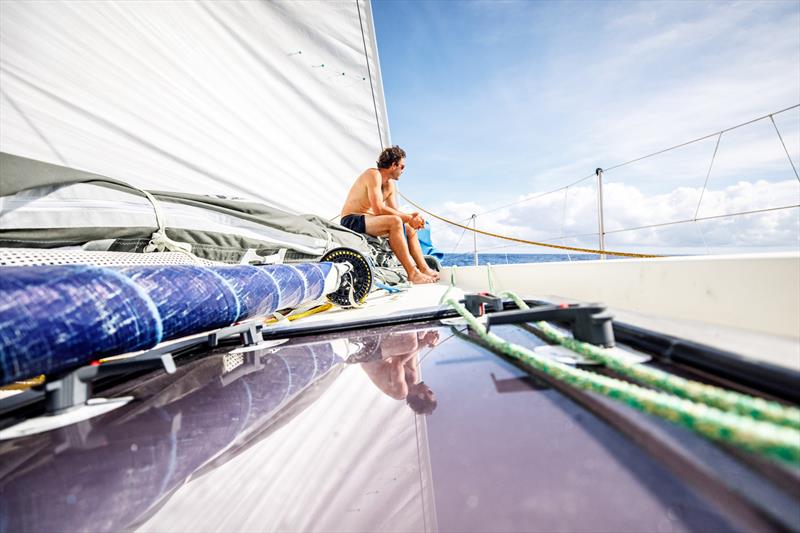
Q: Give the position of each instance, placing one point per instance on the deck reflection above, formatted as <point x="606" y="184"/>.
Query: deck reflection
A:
<point x="394" y="368"/>
<point x="341" y="433"/>
<point x="122" y="470"/>
<point x="104" y="473"/>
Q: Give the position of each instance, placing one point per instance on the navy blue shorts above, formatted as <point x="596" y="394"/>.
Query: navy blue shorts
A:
<point x="354" y="223"/>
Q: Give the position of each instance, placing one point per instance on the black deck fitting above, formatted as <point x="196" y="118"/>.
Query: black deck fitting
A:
<point x="590" y="323"/>
<point x="475" y="303"/>
<point x="74" y="388"/>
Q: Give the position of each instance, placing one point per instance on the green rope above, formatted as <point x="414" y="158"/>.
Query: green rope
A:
<point x="449" y="287"/>
<point x="764" y="438"/>
<point x="726" y="400"/>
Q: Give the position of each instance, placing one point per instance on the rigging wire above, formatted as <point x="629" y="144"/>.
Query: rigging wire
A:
<point x="537" y="196"/>
<point x="703" y="138"/>
<point x="665" y="150"/>
<point x="796" y="175"/>
<point x="703" y="237"/>
<point x="502" y="246"/>
<point x="619" y="165"/>
<point x="563" y="220"/>
<point x="740" y="213"/>
<point x="708" y="175"/>
<point x="525" y="241"/>
<point x="455" y="248"/>
<point x="621" y="230"/>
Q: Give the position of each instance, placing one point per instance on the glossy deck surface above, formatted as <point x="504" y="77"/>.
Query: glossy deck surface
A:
<point x="317" y="435"/>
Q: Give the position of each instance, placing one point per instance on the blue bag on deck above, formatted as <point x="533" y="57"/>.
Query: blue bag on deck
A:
<point x="426" y="243"/>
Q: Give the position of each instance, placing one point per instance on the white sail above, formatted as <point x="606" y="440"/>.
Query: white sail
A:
<point x="280" y="102"/>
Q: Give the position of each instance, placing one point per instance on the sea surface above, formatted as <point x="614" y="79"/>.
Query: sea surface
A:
<point x="503" y="259"/>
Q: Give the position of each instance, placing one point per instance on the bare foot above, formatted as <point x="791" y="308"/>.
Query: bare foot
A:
<point x="418" y="277"/>
<point x="431" y="274"/>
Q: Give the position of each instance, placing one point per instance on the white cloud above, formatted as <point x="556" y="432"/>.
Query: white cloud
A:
<point x="625" y="206"/>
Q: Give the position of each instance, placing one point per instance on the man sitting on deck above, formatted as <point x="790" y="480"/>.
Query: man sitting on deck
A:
<point x="371" y="208"/>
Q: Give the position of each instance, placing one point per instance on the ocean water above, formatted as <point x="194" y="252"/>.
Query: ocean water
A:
<point x="503" y="259"/>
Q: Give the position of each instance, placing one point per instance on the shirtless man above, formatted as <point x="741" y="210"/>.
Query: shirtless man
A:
<point x="396" y="372"/>
<point x="371" y="208"/>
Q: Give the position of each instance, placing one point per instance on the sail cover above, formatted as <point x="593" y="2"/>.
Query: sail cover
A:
<point x="278" y="102"/>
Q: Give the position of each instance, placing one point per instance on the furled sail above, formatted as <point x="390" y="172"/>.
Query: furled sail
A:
<point x="279" y="102"/>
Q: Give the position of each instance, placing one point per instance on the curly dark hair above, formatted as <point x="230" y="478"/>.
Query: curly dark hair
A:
<point x="421" y="404"/>
<point x="390" y="156"/>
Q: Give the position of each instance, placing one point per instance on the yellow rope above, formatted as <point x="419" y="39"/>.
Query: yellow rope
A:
<point x="24" y="384"/>
<point x="535" y="243"/>
<point x="312" y="311"/>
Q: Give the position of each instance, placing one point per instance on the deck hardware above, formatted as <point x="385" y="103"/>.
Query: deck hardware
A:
<point x="475" y="302"/>
<point x="213" y="340"/>
<point x="75" y="388"/>
<point x="247" y="359"/>
<point x="250" y="362"/>
<point x="590" y="323"/>
<point x="357" y="283"/>
<point x="250" y="336"/>
<point x="600" y="220"/>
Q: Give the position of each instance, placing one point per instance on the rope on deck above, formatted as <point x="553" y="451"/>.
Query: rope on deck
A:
<point x="726" y="400"/>
<point x="764" y="438"/>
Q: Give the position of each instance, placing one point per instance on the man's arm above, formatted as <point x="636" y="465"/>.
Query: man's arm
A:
<point x="391" y="199"/>
<point x="388" y="376"/>
<point x="416" y="221"/>
<point x="375" y="196"/>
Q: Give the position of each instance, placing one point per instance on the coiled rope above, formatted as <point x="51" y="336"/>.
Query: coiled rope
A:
<point x="761" y="437"/>
<point x="524" y="241"/>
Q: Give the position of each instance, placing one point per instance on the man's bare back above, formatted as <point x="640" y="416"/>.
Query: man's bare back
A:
<point x="371" y="208"/>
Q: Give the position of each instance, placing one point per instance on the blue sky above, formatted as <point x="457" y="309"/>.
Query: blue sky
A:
<point x="498" y="101"/>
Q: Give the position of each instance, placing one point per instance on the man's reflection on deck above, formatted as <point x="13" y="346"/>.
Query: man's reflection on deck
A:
<point x="394" y="368"/>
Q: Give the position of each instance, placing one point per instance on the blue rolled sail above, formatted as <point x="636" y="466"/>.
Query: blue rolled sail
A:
<point x="265" y="289"/>
<point x="258" y="292"/>
<point x="291" y="282"/>
<point x="188" y="298"/>
<point x="314" y="278"/>
<point x="54" y="318"/>
<point x="299" y="283"/>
